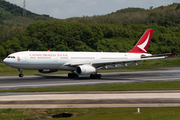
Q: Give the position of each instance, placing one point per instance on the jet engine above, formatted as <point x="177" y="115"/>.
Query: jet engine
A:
<point x="47" y="71"/>
<point x="85" y="70"/>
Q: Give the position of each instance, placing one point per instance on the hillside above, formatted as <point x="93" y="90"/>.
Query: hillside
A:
<point x="163" y="15"/>
<point x="9" y="11"/>
<point x="12" y="22"/>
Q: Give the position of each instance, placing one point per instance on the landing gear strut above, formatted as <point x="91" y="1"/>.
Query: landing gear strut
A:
<point x="95" y="76"/>
<point x="73" y="75"/>
<point x="20" y="75"/>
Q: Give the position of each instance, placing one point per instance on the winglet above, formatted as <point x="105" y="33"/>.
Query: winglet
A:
<point x="171" y="54"/>
<point x="143" y="44"/>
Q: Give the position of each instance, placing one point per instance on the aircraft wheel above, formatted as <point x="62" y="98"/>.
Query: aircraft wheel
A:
<point x="99" y="76"/>
<point x="92" y="76"/>
<point x="76" y="76"/>
<point x="69" y="75"/>
<point x="73" y="75"/>
<point x="96" y="76"/>
<point x="21" y="75"/>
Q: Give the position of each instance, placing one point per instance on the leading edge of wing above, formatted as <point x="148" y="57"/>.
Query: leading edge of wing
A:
<point x="109" y="62"/>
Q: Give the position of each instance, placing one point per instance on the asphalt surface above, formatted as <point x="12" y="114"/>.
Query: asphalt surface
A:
<point x="14" y="82"/>
<point x="48" y="106"/>
<point x="90" y="99"/>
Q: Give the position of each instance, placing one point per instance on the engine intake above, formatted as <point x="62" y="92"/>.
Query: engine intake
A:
<point x="47" y="71"/>
<point x="85" y="70"/>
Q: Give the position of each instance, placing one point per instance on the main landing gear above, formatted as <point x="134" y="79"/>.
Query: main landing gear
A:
<point x="92" y="76"/>
<point x="20" y="75"/>
<point x="73" y="75"/>
<point x="95" y="76"/>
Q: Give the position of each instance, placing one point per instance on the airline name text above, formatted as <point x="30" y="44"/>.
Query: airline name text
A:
<point x="48" y="55"/>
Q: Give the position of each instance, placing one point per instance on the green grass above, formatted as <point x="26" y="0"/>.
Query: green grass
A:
<point x="95" y="113"/>
<point x="142" y="66"/>
<point x="170" y="85"/>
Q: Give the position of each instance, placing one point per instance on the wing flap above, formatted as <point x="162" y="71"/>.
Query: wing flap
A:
<point x="102" y="63"/>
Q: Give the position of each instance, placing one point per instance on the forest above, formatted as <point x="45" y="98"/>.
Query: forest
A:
<point x="115" y="32"/>
<point x="12" y="22"/>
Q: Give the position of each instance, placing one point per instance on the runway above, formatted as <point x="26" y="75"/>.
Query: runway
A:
<point x="90" y="99"/>
<point x="34" y="81"/>
<point x="50" y="106"/>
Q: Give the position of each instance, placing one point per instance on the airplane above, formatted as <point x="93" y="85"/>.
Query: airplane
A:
<point x="81" y="63"/>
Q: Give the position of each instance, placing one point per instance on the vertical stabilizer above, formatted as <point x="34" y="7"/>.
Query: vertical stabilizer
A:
<point x="143" y="44"/>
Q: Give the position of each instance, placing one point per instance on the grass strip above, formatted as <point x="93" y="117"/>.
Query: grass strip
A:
<point x="168" y="85"/>
<point x="95" y="113"/>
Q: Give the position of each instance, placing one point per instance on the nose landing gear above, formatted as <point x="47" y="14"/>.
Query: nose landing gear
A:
<point x="20" y="75"/>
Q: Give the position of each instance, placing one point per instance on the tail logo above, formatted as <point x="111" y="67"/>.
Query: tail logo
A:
<point x="143" y="45"/>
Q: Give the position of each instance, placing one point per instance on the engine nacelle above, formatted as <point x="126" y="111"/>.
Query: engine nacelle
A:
<point x="47" y="71"/>
<point x="86" y="70"/>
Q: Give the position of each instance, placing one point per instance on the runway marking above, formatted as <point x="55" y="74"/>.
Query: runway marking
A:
<point x="2" y="106"/>
<point x="99" y="104"/>
<point x="78" y="97"/>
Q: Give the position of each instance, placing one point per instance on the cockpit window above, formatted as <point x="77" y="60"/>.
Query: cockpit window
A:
<point x="11" y="57"/>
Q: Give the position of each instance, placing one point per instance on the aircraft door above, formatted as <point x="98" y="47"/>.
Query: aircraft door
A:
<point x="23" y="58"/>
<point x="98" y="57"/>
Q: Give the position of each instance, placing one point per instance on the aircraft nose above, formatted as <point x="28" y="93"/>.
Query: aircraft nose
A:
<point x="5" y="61"/>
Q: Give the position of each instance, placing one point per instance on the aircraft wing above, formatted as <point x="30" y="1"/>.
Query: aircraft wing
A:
<point x="123" y="62"/>
<point x="111" y="62"/>
<point x="164" y="54"/>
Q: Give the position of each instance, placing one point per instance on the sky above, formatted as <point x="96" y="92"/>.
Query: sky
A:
<point x="77" y="8"/>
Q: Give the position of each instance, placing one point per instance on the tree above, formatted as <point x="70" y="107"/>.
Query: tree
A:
<point x="2" y="53"/>
<point x="151" y="7"/>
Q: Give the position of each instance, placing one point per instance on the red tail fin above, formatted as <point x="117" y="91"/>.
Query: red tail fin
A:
<point x="143" y="43"/>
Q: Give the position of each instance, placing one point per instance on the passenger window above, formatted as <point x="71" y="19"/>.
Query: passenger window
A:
<point x="8" y="57"/>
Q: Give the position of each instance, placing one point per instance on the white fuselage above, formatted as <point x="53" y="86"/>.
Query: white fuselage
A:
<point x="38" y="60"/>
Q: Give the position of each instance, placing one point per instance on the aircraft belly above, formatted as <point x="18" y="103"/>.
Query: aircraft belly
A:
<point x="67" y="68"/>
<point x="37" y="64"/>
